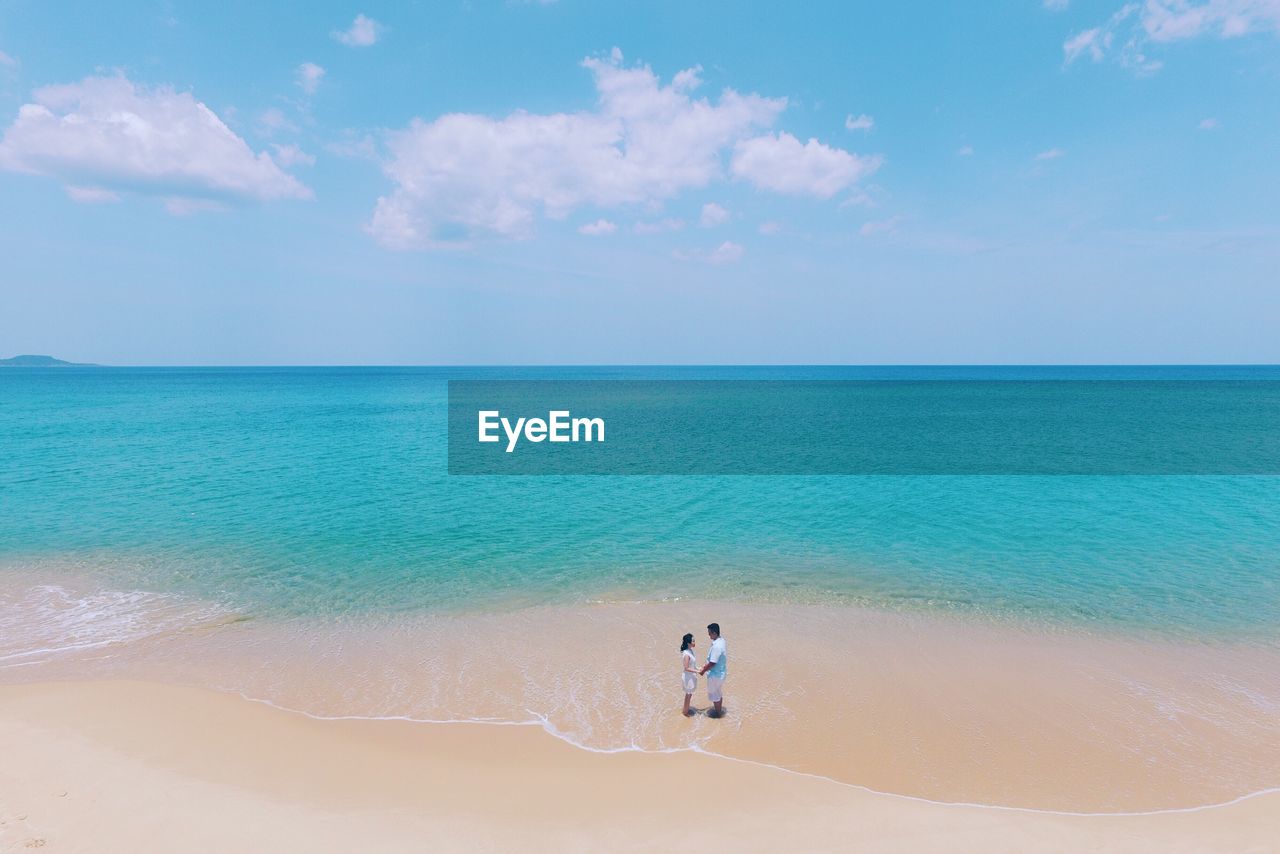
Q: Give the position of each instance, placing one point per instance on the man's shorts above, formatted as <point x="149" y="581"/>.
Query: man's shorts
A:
<point x="715" y="689"/>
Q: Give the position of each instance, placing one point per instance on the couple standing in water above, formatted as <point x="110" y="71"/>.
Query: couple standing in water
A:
<point x="717" y="659"/>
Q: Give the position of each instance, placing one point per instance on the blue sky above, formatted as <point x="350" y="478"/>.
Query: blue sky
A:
<point x="665" y="182"/>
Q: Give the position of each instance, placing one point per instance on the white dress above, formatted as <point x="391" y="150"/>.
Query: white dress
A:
<point x="689" y="680"/>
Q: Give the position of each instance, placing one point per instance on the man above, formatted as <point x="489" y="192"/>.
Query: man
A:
<point x="714" y="670"/>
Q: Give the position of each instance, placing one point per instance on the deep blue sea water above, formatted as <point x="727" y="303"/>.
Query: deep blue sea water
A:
<point x="299" y="491"/>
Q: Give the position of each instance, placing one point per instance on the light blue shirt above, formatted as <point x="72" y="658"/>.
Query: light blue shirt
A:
<point x="718" y="658"/>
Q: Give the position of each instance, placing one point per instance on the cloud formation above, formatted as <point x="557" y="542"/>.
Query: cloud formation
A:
<point x="105" y="135"/>
<point x="782" y="163"/>
<point x="309" y="76"/>
<point x="273" y="120"/>
<point x="1172" y="20"/>
<point x="464" y="176"/>
<point x="363" y="32"/>
<point x="862" y="122"/>
<point x="291" y="155"/>
<point x="90" y="195"/>
<point x="1127" y="34"/>
<point x="599" y="228"/>
<point x="1094" y="42"/>
<point x="712" y="215"/>
<point x="726" y="253"/>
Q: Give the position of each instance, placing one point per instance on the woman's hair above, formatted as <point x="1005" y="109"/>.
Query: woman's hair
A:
<point x="685" y="641"/>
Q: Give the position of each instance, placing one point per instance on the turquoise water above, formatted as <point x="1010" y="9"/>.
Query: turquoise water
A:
<point x="324" y="491"/>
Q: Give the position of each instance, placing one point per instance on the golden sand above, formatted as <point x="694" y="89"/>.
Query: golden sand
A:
<point x="933" y="707"/>
<point x="132" y="767"/>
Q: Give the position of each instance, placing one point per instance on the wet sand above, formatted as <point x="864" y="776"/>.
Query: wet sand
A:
<point x="929" y="706"/>
<point x="128" y="766"/>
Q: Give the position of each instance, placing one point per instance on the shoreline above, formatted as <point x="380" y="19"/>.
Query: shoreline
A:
<point x="223" y="771"/>
<point x="939" y="709"/>
<point x="546" y="729"/>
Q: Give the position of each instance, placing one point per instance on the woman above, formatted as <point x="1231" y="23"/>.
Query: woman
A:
<point x="689" y="668"/>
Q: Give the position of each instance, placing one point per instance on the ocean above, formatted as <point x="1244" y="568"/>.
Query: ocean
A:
<point x="325" y="491"/>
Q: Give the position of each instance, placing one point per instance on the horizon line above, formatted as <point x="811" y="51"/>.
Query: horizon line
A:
<point x="668" y="365"/>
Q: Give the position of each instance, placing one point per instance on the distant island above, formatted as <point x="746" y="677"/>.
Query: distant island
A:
<point x="40" y="362"/>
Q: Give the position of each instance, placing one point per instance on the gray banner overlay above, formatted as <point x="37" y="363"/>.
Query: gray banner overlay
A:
<point x="861" y="427"/>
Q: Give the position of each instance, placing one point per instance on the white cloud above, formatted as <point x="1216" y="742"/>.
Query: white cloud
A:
<point x="1126" y="35"/>
<point x="90" y="195"/>
<point x="1056" y="5"/>
<point x="782" y="163"/>
<point x="658" y="226"/>
<point x="309" y="76"/>
<point x="291" y="155"/>
<point x="883" y="226"/>
<point x="726" y="253"/>
<point x="6" y="59"/>
<point x="1172" y="20"/>
<point x="769" y="228"/>
<point x="465" y="175"/>
<point x="1098" y="42"/>
<point x="598" y="228"/>
<point x="1208" y="124"/>
<point x="1051" y="154"/>
<point x="965" y="151"/>
<point x="858" y="199"/>
<point x="712" y="215"/>
<point x="363" y="32"/>
<point x="108" y="134"/>
<point x="1094" y="42"/>
<point x="272" y="120"/>
<point x="862" y="122"/>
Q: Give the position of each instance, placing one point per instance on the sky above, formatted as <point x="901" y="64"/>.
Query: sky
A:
<point x="505" y="182"/>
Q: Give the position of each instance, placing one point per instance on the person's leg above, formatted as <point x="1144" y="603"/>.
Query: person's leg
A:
<point x="687" y="698"/>
<point x="714" y="689"/>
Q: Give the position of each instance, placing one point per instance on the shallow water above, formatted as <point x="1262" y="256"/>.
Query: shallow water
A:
<point x="324" y="492"/>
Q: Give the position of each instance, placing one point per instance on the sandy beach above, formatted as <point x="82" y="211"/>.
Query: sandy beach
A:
<point x="132" y="766"/>
<point x="940" y="708"/>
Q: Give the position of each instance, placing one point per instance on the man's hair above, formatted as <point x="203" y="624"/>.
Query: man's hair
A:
<point x="713" y="627"/>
